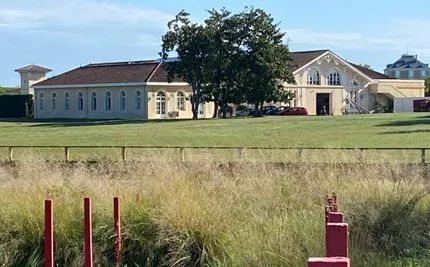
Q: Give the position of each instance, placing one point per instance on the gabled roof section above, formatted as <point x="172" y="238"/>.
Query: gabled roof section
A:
<point x="302" y="58"/>
<point x="371" y="73"/>
<point x="408" y="62"/>
<point x="33" y="68"/>
<point x="105" y="73"/>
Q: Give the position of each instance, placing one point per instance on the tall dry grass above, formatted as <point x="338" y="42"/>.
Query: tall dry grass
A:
<point x="200" y="213"/>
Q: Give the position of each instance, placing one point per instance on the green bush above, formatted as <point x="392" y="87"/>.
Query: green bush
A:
<point x="16" y="106"/>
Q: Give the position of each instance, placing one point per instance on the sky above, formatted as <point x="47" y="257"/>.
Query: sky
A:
<point x="65" y="34"/>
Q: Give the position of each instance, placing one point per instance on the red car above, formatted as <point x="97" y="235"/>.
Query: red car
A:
<point x="296" y="111"/>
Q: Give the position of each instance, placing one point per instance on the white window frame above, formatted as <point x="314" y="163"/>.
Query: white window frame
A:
<point x="41" y="101"/>
<point x="333" y="77"/>
<point x="160" y="104"/>
<point x="66" y="100"/>
<point x="54" y="101"/>
<point x="122" y="101"/>
<point x="138" y="104"/>
<point x="201" y="109"/>
<point x="80" y="101"/>
<point x="180" y="101"/>
<point x="108" y="101"/>
<point x="93" y="101"/>
<point x="313" y="77"/>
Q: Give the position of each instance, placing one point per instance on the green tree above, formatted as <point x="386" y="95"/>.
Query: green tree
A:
<point x="367" y="66"/>
<point x="266" y="62"/>
<point x="427" y="86"/>
<point x="191" y="42"/>
<point x="221" y="75"/>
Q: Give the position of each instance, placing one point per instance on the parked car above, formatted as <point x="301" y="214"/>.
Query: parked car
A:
<point x="277" y="110"/>
<point x="295" y="111"/>
<point x="268" y="109"/>
<point x="243" y="112"/>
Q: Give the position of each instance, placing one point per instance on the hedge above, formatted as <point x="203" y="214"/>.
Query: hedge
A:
<point x="16" y="106"/>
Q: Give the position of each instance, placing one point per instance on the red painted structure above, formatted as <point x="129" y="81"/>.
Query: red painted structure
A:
<point x="117" y="229"/>
<point x="88" y="233"/>
<point x="328" y="262"/>
<point x="335" y="217"/>
<point x="48" y="249"/>
<point x="337" y="240"/>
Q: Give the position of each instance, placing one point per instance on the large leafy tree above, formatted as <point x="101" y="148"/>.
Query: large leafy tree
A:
<point x="191" y="42"/>
<point x="266" y="62"/>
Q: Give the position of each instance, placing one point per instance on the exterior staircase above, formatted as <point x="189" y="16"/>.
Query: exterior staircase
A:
<point x="358" y="107"/>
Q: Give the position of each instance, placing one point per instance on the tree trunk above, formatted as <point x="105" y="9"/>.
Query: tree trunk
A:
<point x="215" y="109"/>
<point x="195" y="103"/>
<point x="224" y="110"/>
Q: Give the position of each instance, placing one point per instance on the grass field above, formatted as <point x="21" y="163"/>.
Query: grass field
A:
<point x="202" y="215"/>
<point x="385" y="130"/>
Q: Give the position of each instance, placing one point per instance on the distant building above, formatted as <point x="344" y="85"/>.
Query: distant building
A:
<point x="408" y="67"/>
<point x="30" y="75"/>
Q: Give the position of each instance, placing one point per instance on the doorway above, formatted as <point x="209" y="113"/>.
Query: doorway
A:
<point x="323" y="104"/>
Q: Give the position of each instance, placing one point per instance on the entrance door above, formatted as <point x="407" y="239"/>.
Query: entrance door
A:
<point x="323" y="104"/>
<point x="160" y="105"/>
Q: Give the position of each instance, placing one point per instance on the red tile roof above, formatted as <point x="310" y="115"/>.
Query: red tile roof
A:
<point x="155" y="71"/>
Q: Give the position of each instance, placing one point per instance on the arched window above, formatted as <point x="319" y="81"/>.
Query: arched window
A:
<point x="80" y="101"/>
<point x="180" y="101"/>
<point x="160" y="104"/>
<point x="54" y="101"/>
<point x="354" y="83"/>
<point x="93" y="101"/>
<point x="313" y="77"/>
<point x="41" y="101"/>
<point x="67" y="101"/>
<point x="122" y="101"/>
<point x="333" y="78"/>
<point x="138" y="100"/>
<point x="108" y="101"/>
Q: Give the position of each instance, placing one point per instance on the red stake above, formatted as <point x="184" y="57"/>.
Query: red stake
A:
<point x="117" y="229"/>
<point x="48" y="252"/>
<point x="88" y="232"/>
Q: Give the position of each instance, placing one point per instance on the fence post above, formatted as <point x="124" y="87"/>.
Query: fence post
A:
<point x="182" y="152"/>
<point x="337" y="240"/>
<point x="48" y="250"/>
<point x="66" y="153"/>
<point x="329" y="262"/>
<point x="423" y="156"/>
<point x="124" y="153"/>
<point x="10" y="153"/>
<point x="88" y="232"/>
<point x="117" y="230"/>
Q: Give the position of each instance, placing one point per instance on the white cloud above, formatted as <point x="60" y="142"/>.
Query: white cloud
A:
<point x="78" y="13"/>
<point x="394" y="36"/>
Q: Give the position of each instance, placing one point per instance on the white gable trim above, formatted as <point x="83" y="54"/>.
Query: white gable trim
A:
<point x="339" y="59"/>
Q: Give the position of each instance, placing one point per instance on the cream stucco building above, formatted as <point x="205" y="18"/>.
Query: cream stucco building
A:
<point x="140" y="90"/>
<point x="325" y="79"/>
<point x="120" y="90"/>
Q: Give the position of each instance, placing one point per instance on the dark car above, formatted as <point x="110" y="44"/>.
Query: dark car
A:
<point x="296" y="111"/>
<point x="277" y="110"/>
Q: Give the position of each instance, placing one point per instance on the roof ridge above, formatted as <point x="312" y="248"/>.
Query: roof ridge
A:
<point x="121" y="63"/>
<point x="154" y="71"/>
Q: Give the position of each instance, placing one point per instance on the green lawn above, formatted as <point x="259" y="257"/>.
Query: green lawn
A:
<point x="385" y="130"/>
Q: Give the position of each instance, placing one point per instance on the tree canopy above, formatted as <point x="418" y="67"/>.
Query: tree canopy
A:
<point x="230" y="58"/>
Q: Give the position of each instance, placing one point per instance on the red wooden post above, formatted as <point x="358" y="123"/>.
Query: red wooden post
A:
<point x="335" y="217"/>
<point x="88" y="232"/>
<point x="117" y="229"/>
<point x="48" y="252"/>
<point x="337" y="240"/>
<point x="328" y="262"/>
